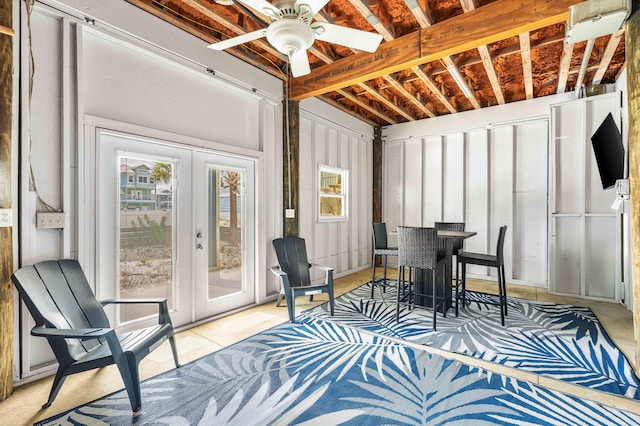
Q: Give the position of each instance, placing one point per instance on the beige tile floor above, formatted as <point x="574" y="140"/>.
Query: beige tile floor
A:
<point x="24" y="406"/>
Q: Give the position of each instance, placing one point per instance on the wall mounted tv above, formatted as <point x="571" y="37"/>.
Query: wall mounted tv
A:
<point x="609" y="152"/>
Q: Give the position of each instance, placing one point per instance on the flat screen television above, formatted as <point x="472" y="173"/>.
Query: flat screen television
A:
<point x="609" y="152"/>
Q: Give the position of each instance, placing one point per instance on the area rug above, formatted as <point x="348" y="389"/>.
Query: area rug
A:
<point x="316" y="372"/>
<point x="560" y="341"/>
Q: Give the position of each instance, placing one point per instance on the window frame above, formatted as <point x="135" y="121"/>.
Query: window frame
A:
<point x="342" y="196"/>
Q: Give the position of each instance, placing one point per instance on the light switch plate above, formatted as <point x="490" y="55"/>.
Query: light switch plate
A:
<point x="6" y="218"/>
<point x="50" y="220"/>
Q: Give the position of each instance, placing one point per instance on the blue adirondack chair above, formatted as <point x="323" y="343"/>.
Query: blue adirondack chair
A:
<point x="294" y="271"/>
<point x="74" y="323"/>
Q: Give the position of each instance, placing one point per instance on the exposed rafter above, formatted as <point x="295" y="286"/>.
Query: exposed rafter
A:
<point x="491" y="23"/>
<point x="407" y="78"/>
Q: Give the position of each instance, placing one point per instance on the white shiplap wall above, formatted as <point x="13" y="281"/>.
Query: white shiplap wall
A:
<point x="486" y="175"/>
<point x="132" y="68"/>
<point x="332" y="138"/>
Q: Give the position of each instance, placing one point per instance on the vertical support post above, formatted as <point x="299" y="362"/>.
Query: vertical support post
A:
<point x="6" y="243"/>
<point x="377" y="175"/>
<point x="291" y="167"/>
<point x="632" y="52"/>
<point x="376" y="208"/>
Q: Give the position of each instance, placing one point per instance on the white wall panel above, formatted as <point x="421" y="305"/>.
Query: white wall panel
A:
<point x="501" y="175"/>
<point x="432" y="180"/>
<point x="477" y="191"/>
<point x="393" y="184"/>
<point x="453" y="183"/>
<point x="486" y="177"/>
<point x="306" y="195"/>
<point x="125" y="83"/>
<point x="343" y="244"/>
<point x="413" y="167"/>
<point x="365" y="196"/>
<point x="530" y="203"/>
<point x="600" y="257"/>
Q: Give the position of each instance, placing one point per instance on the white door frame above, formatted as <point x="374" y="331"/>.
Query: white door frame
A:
<point x="205" y="307"/>
<point x="87" y="198"/>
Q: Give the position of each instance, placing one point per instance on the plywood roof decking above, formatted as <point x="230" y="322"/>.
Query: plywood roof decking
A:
<point x="507" y="50"/>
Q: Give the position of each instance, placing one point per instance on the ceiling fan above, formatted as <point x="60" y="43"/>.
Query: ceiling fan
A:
<point x="291" y="31"/>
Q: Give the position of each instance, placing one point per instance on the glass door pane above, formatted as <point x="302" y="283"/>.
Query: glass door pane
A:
<point x="144" y="227"/>
<point x="225" y="233"/>
<point x="146" y="233"/>
<point x="225" y="187"/>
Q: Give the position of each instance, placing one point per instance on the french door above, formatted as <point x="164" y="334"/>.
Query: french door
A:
<point x="174" y="223"/>
<point x="224" y="233"/>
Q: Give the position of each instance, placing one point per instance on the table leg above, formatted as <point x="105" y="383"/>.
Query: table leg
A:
<point x="447" y="276"/>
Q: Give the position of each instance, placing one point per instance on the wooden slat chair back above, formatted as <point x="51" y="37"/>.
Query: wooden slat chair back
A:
<point x="68" y="314"/>
<point x="294" y="270"/>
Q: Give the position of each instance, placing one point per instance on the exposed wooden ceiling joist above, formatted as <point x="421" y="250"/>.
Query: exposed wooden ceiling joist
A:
<point x="505" y="50"/>
<point x="491" y="23"/>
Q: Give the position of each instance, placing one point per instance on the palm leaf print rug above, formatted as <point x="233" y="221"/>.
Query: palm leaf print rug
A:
<point x="560" y="341"/>
<point x="318" y="372"/>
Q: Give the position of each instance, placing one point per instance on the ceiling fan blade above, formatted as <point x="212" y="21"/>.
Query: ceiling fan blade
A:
<point x="262" y="6"/>
<point x="299" y="63"/>
<point x="234" y="41"/>
<point x="345" y="36"/>
<point x="314" y="5"/>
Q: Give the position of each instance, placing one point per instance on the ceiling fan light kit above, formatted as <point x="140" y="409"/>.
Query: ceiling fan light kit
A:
<point x="292" y="33"/>
<point x="290" y="36"/>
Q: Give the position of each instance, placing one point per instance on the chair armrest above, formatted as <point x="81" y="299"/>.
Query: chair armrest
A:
<point x="328" y="272"/>
<point x="132" y="301"/>
<point x="163" y="310"/>
<point x="324" y="268"/>
<point x="76" y="333"/>
<point x="277" y="271"/>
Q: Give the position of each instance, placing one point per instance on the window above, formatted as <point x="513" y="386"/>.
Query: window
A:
<point x="142" y="179"/>
<point x="332" y="193"/>
<point x="130" y="178"/>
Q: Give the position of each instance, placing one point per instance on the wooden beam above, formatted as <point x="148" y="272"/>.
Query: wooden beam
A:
<point x="423" y="16"/>
<point x="525" y="54"/>
<point x="386" y="102"/>
<point x="488" y="24"/>
<point x="433" y="88"/>
<point x="377" y="172"/>
<point x="485" y="57"/>
<point x="491" y="73"/>
<point x="354" y="99"/>
<point x="6" y="31"/>
<point x="468" y="5"/>
<point x="448" y="61"/>
<point x="382" y="29"/>
<point x="6" y="232"/>
<point x="404" y="92"/>
<point x="632" y="52"/>
<point x="291" y="167"/>
<point x="612" y="45"/>
<point x="565" y="64"/>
